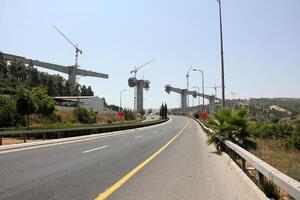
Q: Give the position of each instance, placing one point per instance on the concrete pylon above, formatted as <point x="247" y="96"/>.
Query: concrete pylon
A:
<point x="183" y="95"/>
<point x="72" y="71"/>
<point x="212" y="101"/>
<point x="139" y="85"/>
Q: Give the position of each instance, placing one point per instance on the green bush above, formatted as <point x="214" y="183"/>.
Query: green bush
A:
<point x="129" y="115"/>
<point x="294" y="139"/>
<point x="85" y="116"/>
<point x="270" y="130"/>
<point x="45" y="103"/>
<point x="231" y="125"/>
<point x="196" y="115"/>
<point x="8" y="113"/>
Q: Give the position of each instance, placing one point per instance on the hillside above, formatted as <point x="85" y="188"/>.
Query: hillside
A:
<point x="274" y="108"/>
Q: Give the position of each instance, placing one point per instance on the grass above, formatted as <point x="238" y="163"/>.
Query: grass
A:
<point x="285" y="160"/>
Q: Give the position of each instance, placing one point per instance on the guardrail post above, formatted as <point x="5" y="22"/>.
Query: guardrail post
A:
<point x="1" y="139"/>
<point x="58" y="135"/>
<point x="24" y="138"/>
<point x="44" y="136"/>
<point x="261" y="178"/>
<point x="243" y="164"/>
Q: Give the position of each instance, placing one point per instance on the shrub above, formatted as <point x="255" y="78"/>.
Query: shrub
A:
<point x="270" y="189"/>
<point x="8" y="112"/>
<point x="231" y="125"/>
<point x="294" y="139"/>
<point x="129" y="115"/>
<point x="196" y="115"/>
<point x="85" y="116"/>
<point x="45" y="103"/>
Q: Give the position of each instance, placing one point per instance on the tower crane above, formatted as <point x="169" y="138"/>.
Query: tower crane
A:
<point x="139" y="85"/>
<point x="215" y="88"/>
<point x="135" y="70"/>
<point x="233" y="93"/>
<point x="77" y="50"/>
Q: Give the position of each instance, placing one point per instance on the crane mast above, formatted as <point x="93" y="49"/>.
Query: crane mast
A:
<point x="135" y="70"/>
<point x="77" y="50"/>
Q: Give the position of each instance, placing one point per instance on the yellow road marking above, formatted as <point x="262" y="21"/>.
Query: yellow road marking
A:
<point x="118" y="184"/>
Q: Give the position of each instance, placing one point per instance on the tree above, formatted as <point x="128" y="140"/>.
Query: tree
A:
<point x="13" y="71"/>
<point x="165" y="111"/>
<point x="60" y="85"/>
<point x="35" y="77"/>
<point x="89" y="91"/>
<point x="52" y="91"/>
<point x="230" y="125"/>
<point x="113" y="107"/>
<point x="8" y="112"/>
<point x="45" y="103"/>
<point x="83" y="90"/>
<point x="3" y="67"/>
<point x="25" y="103"/>
<point x="67" y="88"/>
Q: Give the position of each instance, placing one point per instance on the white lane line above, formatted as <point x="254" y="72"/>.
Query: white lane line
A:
<point x="138" y="137"/>
<point x="103" y="147"/>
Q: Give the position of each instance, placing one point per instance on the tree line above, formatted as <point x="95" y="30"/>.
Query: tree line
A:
<point x="163" y="111"/>
<point x="14" y="74"/>
<point x="16" y="110"/>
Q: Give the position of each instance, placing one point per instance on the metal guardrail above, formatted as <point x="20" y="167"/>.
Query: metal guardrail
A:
<point x="286" y="183"/>
<point x="60" y="133"/>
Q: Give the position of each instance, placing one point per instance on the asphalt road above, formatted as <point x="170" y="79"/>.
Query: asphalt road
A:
<point x="186" y="169"/>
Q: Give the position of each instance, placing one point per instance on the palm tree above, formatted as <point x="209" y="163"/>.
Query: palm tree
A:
<point x="228" y="124"/>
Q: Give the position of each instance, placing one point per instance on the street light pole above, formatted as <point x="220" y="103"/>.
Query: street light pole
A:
<point x="121" y="92"/>
<point x="202" y="73"/>
<point x="222" y="56"/>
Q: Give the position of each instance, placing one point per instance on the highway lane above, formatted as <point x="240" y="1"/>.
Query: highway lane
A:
<point x="64" y="172"/>
<point x="186" y="169"/>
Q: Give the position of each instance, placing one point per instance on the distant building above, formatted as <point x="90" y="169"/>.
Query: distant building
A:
<point x="68" y="103"/>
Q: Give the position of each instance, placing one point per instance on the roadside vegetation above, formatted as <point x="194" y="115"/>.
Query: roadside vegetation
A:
<point x="276" y="142"/>
<point x="163" y="111"/>
<point x="26" y="101"/>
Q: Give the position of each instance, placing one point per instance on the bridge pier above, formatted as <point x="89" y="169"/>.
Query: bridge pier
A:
<point x="183" y="101"/>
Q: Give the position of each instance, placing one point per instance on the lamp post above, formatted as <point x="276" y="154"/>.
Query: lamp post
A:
<point x="222" y="57"/>
<point x="121" y="92"/>
<point x="201" y="71"/>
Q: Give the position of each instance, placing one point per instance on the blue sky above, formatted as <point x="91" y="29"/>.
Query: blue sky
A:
<point x="261" y="43"/>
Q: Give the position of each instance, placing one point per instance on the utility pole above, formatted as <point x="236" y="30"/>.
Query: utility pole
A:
<point x="222" y="55"/>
